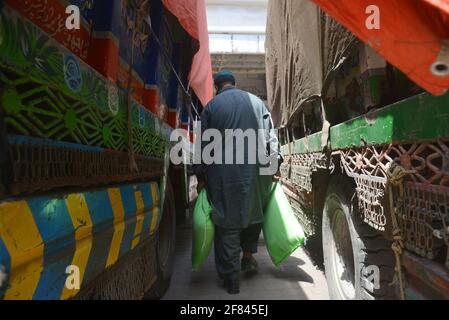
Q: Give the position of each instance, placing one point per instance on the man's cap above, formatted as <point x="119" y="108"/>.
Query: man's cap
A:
<point x="223" y="75"/>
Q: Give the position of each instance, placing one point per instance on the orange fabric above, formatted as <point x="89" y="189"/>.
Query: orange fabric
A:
<point x="192" y="16"/>
<point x="410" y="37"/>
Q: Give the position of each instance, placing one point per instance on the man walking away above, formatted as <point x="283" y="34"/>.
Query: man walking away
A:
<point x="238" y="192"/>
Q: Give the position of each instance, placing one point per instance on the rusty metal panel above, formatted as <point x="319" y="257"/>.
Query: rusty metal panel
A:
<point x="41" y="165"/>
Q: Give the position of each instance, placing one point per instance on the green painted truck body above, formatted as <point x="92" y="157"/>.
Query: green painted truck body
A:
<point x="419" y="118"/>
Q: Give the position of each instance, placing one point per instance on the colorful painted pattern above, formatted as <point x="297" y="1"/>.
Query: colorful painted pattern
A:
<point x="40" y="237"/>
<point x="398" y="123"/>
<point x="51" y="94"/>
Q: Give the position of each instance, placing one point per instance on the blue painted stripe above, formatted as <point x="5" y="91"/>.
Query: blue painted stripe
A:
<point x="106" y="15"/>
<point x="130" y="207"/>
<point x="55" y="226"/>
<point x="100" y="211"/>
<point x="148" y="203"/>
<point x="102" y="216"/>
<point x="5" y="267"/>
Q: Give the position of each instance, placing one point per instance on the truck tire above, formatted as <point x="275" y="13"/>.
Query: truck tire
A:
<point x="359" y="262"/>
<point x="165" y="247"/>
<point x="181" y="196"/>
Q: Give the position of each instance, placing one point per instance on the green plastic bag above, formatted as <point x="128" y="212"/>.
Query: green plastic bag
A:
<point x="203" y="231"/>
<point x="282" y="232"/>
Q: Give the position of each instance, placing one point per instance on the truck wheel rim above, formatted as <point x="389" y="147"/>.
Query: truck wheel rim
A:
<point x="342" y="255"/>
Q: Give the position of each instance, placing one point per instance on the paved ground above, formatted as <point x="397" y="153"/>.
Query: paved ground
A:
<point x="296" y="279"/>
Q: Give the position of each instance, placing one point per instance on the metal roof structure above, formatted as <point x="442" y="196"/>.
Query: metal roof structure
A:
<point x="237" y="41"/>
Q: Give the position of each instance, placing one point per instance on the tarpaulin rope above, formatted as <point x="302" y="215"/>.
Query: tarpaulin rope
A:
<point x="396" y="175"/>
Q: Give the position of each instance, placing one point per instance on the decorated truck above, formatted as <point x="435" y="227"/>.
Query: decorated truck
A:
<point x="358" y="90"/>
<point x="88" y="198"/>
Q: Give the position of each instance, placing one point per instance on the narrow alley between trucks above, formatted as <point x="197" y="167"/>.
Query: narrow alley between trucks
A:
<point x="296" y="279"/>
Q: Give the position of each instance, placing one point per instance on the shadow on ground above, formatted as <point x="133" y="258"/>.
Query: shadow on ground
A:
<point x="296" y="279"/>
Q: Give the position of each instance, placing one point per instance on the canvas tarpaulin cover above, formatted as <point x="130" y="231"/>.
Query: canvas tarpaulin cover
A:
<point x="303" y="47"/>
<point x="304" y="44"/>
<point x="192" y="16"/>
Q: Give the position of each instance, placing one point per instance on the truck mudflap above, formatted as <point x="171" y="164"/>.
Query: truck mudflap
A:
<point x="53" y="247"/>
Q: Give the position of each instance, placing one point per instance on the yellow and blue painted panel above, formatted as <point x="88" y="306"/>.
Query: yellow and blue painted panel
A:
<point x="41" y="236"/>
